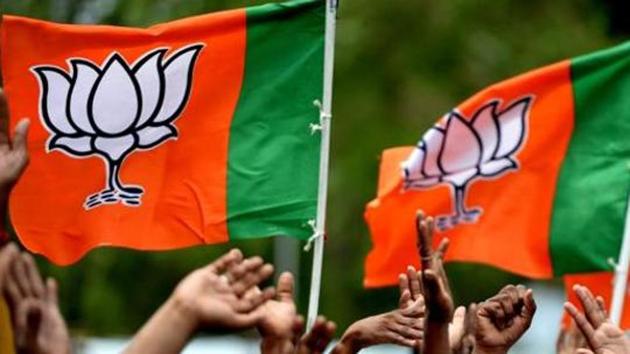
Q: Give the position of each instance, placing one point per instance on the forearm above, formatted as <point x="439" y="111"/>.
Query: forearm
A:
<point x="436" y="341"/>
<point x="167" y="331"/>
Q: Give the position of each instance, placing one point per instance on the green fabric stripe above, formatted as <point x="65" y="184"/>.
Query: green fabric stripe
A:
<point x="273" y="161"/>
<point x="590" y="204"/>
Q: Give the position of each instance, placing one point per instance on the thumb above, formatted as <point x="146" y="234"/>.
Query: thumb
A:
<point x="20" y="134"/>
<point x="52" y="294"/>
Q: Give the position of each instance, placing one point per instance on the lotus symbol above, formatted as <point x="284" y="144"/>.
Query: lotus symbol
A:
<point x="459" y="150"/>
<point x="115" y="109"/>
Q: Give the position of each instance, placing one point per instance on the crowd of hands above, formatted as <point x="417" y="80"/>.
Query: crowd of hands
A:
<point x="227" y="295"/>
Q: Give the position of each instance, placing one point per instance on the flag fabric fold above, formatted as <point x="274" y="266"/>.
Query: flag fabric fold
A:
<point x="190" y="132"/>
<point x="529" y="175"/>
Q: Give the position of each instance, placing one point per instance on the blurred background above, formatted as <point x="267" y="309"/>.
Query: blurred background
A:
<point x="400" y="64"/>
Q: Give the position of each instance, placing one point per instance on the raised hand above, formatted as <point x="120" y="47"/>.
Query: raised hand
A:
<point x="601" y="335"/>
<point x="318" y="338"/>
<point x="279" y="314"/>
<point x="214" y="295"/>
<point x="501" y="320"/>
<point x="437" y="293"/>
<point x="217" y="296"/>
<point x="440" y="305"/>
<point x="13" y="152"/>
<point x="39" y="327"/>
<point x="403" y="326"/>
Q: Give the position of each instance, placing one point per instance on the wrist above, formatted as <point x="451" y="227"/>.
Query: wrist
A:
<point x="183" y="313"/>
<point x="352" y="340"/>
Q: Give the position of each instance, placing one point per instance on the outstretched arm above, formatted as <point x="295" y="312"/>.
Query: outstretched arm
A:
<point x="215" y="297"/>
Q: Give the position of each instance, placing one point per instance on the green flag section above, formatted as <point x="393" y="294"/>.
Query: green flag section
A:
<point x="190" y="132"/>
<point x="530" y="175"/>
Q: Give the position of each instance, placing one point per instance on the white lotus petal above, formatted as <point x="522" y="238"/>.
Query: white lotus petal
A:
<point x="412" y="167"/>
<point x="461" y="150"/>
<point x="115" y="148"/>
<point x="177" y="79"/>
<point x="433" y="143"/>
<point x="461" y="178"/>
<point x="151" y="136"/>
<point x="494" y="167"/>
<point x="55" y="86"/>
<point x="77" y="146"/>
<point x="512" y="127"/>
<point x="148" y="74"/>
<point x="85" y="76"/>
<point x="116" y="98"/>
<point x="486" y="127"/>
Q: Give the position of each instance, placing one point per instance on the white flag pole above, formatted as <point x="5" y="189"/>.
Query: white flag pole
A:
<point x="325" y="115"/>
<point x="621" y="272"/>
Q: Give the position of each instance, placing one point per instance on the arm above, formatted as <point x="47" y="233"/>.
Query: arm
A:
<point x="440" y="303"/>
<point x="216" y="297"/>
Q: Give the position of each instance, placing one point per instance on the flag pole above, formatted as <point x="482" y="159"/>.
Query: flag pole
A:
<point x="325" y="115"/>
<point x="621" y="272"/>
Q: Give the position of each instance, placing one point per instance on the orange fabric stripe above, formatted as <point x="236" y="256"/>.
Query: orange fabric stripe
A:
<point x="184" y="183"/>
<point x="516" y="206"/>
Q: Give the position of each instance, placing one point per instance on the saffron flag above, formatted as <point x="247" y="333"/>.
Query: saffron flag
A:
<point x="191" y="132"/>
<point x="600" y="284"/>
<point x="529" y="175"/>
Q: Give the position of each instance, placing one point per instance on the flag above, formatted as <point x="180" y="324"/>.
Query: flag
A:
<point x="196" y="131"/>
<point x="600" y="284"/>
<point x="529" y="175"/>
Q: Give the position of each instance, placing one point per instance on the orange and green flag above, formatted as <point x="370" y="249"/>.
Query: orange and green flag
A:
<point x="529" y="175"/>
<point x="191" y="132"/>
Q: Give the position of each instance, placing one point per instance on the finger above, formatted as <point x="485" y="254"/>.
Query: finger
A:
<point x="581" y="322"/>
<point x="529" y="307"/>
<point x="52" y="292"/>
<point x="602" y="305"/>
<point x="297" y="328"/>
<point x="321" y="334"/>
<point x="512" y="292"/>
<point x="591" y="308"/>
<point x="254" y="299"/>
<point x="403" y="284"/>
<point x="18" y="271"/>
<point x="237" y="271"/>
<point x="405" y="297"/>
<point x="286" y="287"/>
<point x="459" y="316"/>
<point x="33" y="276"/>
<point x="442" y="248"/>
<point x="252" y="278"/>
<point x="507" y="306"/>
<point x="8" y="254"/>
<point x="395" y="338"/>
<point x="423" y="241"/>
<point x="20" y="135"/>
<point x="414" y="282"/>
<point x="471" y="318"/>
<point x="417" y="309"/>
<point x="221" y="264"/>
